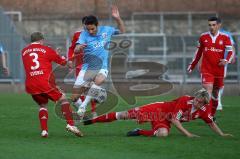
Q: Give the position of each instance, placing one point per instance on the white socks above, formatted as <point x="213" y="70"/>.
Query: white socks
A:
<point x="89" y="95"/>
<point x="118" y="114"/>
<point x="85" y="102"/>
<point x="78" y="102"/>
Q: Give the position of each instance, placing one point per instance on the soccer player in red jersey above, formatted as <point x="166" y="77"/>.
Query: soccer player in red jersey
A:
<point x="163" y="114"/>
<point x="40" y="81"/>
<point x="211" y="49"/>
<point x="77" y="60"/>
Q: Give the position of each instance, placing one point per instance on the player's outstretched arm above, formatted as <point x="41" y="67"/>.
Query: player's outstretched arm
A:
<point x="55" y="55"/>
<point x="217" y="130"/>
<point x="196" y="58"/>
<point x="116" y="16"/>
<point x="182" y="129"/>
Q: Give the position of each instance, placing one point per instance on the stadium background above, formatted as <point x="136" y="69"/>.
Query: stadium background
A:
<point x="163" y="31"/>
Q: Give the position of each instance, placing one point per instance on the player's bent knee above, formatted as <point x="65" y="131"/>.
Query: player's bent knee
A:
<point x="63" y="97"/>
<point x="99" y="79"/>
<point x="161" y="132"/>
<point x="43" y="105"/>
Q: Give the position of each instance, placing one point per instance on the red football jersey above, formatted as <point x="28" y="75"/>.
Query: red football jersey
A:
<point x="180" y="109"/>
<point x="184" y="110"/>
<point x="77" y="58"/>
<point x="37" y="61"/>
<point x="211" y="49"/>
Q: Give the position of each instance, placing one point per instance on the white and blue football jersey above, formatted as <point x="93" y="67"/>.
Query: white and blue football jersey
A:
<point x="96" y="51"/>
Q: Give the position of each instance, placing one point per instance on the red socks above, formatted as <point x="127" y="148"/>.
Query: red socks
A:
<point x="93" y="106"/>
<point x="105" y="118"/>
<point x="43" y="118"/>
<point x="146" y="132"/>
<point x="67" y="112"/>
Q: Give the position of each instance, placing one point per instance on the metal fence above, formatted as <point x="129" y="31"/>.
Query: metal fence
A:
<point x="176" y="52"/>
<point x="12" y="44"/>
<point x="169" y="23"/>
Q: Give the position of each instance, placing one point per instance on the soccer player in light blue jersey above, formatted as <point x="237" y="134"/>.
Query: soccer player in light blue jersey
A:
<point x="94" y="42"/>
<point x="225" y="55"/>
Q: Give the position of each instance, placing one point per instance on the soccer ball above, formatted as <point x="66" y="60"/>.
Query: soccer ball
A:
<point x="101" y="95"/>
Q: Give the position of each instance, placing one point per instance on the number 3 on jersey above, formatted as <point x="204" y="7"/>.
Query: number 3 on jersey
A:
<point x="35" y="60"/>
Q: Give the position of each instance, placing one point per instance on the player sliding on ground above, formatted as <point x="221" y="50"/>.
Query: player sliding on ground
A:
<point x="163" y="114"/>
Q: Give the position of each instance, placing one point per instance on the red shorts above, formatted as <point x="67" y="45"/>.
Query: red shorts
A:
<point x="42" y="98"/>
<point x="217" y="82"/>
<point x="150" y="113"/>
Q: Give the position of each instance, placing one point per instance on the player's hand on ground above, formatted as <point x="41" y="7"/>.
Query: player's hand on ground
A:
<point x="227" y="135"/>
<point x="223" y="62"/>
<point x="192" y="135"/>
<point x="115" y="12"/>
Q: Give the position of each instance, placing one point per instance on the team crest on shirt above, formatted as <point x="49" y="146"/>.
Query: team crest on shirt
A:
<point x="104" y="35"/>
<point x="220" y="42"/>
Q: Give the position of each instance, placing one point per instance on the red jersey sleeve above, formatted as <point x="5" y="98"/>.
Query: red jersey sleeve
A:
<point x="198" y="55"/>
<point x="55" y="57"/>
<point x="181" y="105"/>
<point x="73" y="45"/>
<point x="205" y="114"/>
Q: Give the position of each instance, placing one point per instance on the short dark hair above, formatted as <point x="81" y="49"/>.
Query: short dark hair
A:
<point x="83" y="19"/>
<point x="214" y="18"/>
<point x="91" y="20"/>
<point x="36" y="36"/>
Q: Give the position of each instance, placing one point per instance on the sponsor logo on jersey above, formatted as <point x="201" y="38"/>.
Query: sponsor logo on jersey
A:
<point x="213" y="49"/>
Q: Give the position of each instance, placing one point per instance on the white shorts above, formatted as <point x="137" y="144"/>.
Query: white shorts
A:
<point x="84" y="78"/>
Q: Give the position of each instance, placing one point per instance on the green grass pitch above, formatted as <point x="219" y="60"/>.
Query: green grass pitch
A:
<point x="20" y="135"/>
